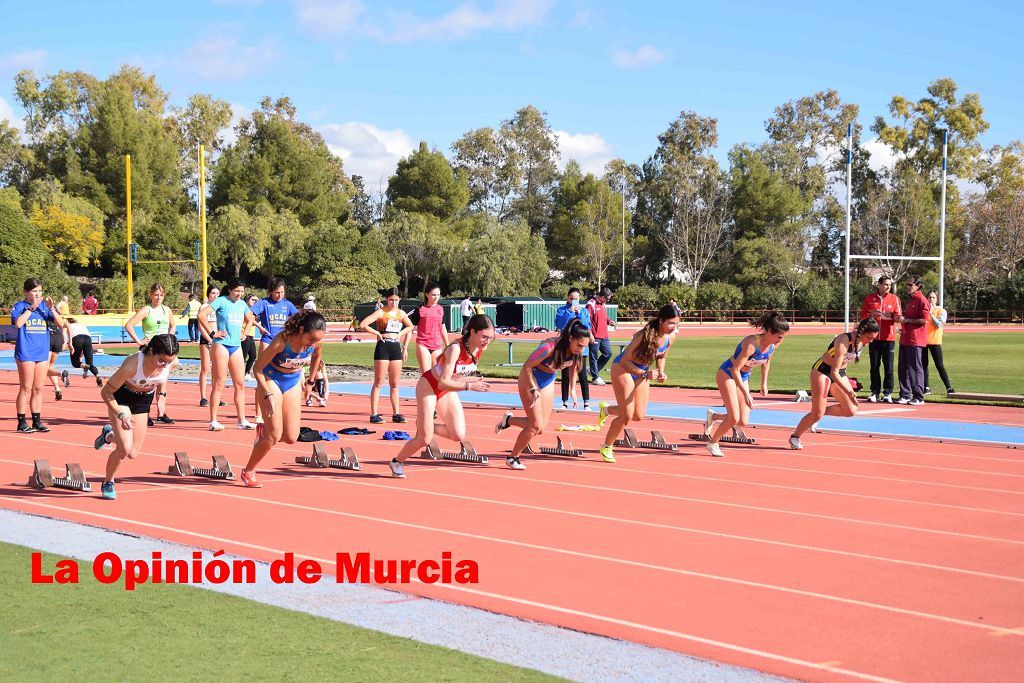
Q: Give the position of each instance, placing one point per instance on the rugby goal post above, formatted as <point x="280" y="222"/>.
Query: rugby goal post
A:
<point x="941" y="258"/>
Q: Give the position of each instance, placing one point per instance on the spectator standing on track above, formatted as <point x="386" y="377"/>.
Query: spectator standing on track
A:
<point x="601" y="345"/>
<point x="913" y="344"/>
<point x="883" y="306"/>
<point x="192" y="313"/>
<point x="89" y="305"/>
<point x="572" y="310"/>
<point x="936" y="323"/>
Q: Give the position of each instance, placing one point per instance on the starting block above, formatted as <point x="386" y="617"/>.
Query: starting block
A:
<point x="42" y="477"/>
<point x="466" y="453"/>
<point x="558" y="449"/>
<point x="348" y="460"/>
<point x="738" y="436"/>
<point x="182" y="467"/>
<point x="656" y="443"/>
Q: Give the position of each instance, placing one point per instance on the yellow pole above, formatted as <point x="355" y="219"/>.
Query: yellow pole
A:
<point x="128" y="224"/>
<point x="202" y="215"/>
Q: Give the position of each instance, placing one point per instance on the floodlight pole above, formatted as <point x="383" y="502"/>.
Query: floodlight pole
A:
<point x="849" y="204"/>
<point x="128" y="226"/>
<point x="623" y="188"/>
<point x="942" y="222"/>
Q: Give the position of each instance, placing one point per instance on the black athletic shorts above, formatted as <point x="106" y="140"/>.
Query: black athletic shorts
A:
<point x="826" y="369"/>
<point x="136" y="403"/>
<point x="56" y="342"/>
<point x="388" y="350"/>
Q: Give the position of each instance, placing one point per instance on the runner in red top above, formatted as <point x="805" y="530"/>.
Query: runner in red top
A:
<point x="883" y="306"/>
<point x="437" y="390"/>
<point x="431" y="332"/>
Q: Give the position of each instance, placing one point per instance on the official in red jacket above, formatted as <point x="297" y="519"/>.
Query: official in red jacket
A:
<point x="883" y="306"/>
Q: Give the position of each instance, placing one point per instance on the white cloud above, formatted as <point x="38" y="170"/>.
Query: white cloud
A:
<point x="367" y="150"/>
<point x="882" y="157"/>
<point x="643" y="56"/>
<point x="7" y="114"/>
<point x="590" y="150"/>
<point x="238" y="112"/>
<point x="26" y="59"/>
<point x="222" y="56"/>
<point x="329" y="17"/>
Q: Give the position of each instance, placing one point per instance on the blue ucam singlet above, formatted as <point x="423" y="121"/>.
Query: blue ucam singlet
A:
<point x="759" y="358"/>
<point x="290" y="360"/>
<point x="640" y="366"/>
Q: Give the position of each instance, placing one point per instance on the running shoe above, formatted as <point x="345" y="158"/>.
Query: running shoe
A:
<point x="916" y="402"/>
<point x="99" y="381"/>
<point x="814" y="429"/>
<point x="259" y="419"/>
<point x="715" y="450"/>
<point x="64" y="378"/>
<point x="101" y="440"/>
<point x="309" y="401"/>
<point x="565" y="405"/>
<point x="586" y="407"/>
<point x="873" y="398"/>
<point x="599" y="382"/>
<point x="107" y="490"/>
<point x="249" y="480"/>
<point x="514" y="463"/>
<point x="24" y="428"/>
<point x="245" y="424"/>
<point x="323" y="403"/>
<point x="85" y="373"/>
<point x="397" y="469"/>
<point x="399" y="418"/>
<point x="502" y="423"/>
<point x="216" y="426"/>
<point x="376" y="419"/>
<point x="903" y="401"/>
<point x="709" y="421"/>
<point x="927" y="390"/>
<point x="149" y="421"/>
<point x="887" y="398"/>
<point x="794" y="443"/>
<point x="166" y="420"/>
<point x="204" y="403"/>
<point x="222" y="404"/>
<point x="602" y="413"/>
<point x="37" y="425"/>
<point x="607" y="453"/>
<point x="57" y="395"/>
<point x="950" y="392"/>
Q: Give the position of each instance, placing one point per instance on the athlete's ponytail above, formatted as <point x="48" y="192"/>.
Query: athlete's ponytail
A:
<point x="651" y="332"/>
<point x="574" y="330"/>
<point x="162" y="344"/>
<point x="772" y="322"/>
<point x="307" y="320"/>
<point x="866" y="326"/>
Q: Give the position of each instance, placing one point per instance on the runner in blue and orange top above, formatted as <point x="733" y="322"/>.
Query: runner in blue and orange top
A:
<point x="537" y="384"/>
<point x="733" y="377"/>
<point x="630" y="374"/>
<point x="437" y="390"/>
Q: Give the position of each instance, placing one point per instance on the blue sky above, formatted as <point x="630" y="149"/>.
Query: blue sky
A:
<point x="375" y="78"/>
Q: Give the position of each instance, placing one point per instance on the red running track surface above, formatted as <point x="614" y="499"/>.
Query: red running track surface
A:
<point x="854" y="559"/>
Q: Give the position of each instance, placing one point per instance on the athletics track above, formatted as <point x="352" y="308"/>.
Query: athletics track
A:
<point x="884" y="558"/>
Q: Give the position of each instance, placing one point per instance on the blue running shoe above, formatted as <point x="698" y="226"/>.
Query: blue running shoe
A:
<point x="107" y="489"/>
<point x="101" y="440"/>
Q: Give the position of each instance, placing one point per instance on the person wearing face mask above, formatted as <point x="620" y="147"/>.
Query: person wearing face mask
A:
<point x="913" y="344"/>
<point x="574" y="310"/>
<point x="936" y="323"/>
<point x="883" y="306"/>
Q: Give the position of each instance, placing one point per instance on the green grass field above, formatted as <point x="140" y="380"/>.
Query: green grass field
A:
<point x="162" y="632"/>
<point x="982" y="362"/>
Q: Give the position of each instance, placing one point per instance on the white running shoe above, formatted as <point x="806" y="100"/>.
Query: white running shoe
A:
<point x="259" y="419"/>
<point x="903" y="401"/>
<point x="245" y="424"/>
<point x="599" y="382"/>
<point x="887" y="398"/>
<point x="715" y="450"/>
<point x="397" y="469"/>
<point x="873" y="398"/>
<point x="323" y="403"/>
<point x="916" y="402"/>
<point x="709" y="422"/>
<point x="814" y="429"/>
<point x="795" y="444"/>
<point x="586" y="407"/>
<point x="216" y="426"/>
<point x="514" y="463"/>
<point x="502" y="423"/>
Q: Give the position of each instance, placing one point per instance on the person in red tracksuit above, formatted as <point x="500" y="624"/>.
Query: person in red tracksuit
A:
<point x="883" y="306"/>
<point x="913" y="344"/>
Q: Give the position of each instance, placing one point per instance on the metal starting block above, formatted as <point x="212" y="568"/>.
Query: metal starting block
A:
<point x="558" y="449"/>
<point x="42" y="477"/>
<point x="348" y="460"/>
<point x="182" y="467"/>
<point x="466" y="453"/>
<point x="738" y="436"/>
<point x="656" y="443"/>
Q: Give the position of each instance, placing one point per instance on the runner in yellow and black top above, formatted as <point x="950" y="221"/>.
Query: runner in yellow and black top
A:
<point x="828" y="376"/>
<point x="392" y="328"/>
<point x="156" y="318"/>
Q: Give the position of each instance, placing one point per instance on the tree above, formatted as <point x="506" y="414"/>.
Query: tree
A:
<point x="199" y="122"/>
<point x="241" y="238"/>
<point x="425" y="183"/>
<point x="490" y="174"/>
<point x="361" y="211"/>
<point x="282" y="162"/>
<point x="21" y="252"/>
<point x="599" y="224"/>
<point x="529" y="143"/>
<point x="419" y="244"/>
<point x="697" y="229"/>
<point x="501" y="260"/>
<point x="69" y="237"/>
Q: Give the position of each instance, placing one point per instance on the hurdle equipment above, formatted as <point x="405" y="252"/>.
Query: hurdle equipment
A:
<point x="738" y="436"/>
<point x="558" y="449"/>
<point x="182" y="467"/>
<point x="319" y="458"/>
<point x="656" y="443"/>
<point x="466" y="453"/>
<point x="43" y="478"/>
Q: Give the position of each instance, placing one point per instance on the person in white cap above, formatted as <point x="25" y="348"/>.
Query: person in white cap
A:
<point x="310" y="303"/>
